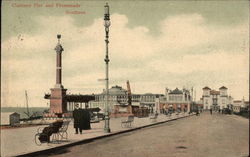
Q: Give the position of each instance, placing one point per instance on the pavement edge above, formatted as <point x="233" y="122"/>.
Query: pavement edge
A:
<point x="85" y="141"/>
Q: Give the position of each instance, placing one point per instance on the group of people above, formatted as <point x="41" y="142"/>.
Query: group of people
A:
<point x="167" y="111"/>
<point x="81" y="122"/>
<point x="222" y="111"/>
<point x="81" y="119"/>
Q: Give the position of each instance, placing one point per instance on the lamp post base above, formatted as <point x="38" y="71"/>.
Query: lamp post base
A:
<point x="107" y="130"/>
<point x="106" y="127"/>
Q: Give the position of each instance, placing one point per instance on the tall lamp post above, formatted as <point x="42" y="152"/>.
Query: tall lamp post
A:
<point x="106" y="25"/>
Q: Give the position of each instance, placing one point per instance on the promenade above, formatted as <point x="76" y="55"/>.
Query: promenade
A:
<point x="216" y="135"/>
<point x="20" y="141"/>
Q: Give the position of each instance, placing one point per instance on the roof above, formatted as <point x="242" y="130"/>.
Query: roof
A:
<point x="75" y="97"/>
<point x="80" y="98"/>
<point x="148" y="94"/>
<point x="186" y="90"/>
<point x="176" y="91"/>
<point x="206" y="88"/>
<point x="223" y="87"/>
<point x="214" y="92"/>
<point x="116" y="90"/>
<point x="5" y="117"/>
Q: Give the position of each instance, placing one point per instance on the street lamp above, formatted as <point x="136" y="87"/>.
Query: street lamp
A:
<point x="106" y="25"/>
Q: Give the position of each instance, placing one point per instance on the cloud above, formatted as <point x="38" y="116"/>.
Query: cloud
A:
<point x="213" y="62"/>
<point x="187" y="52"/>
<point x="184" y="31"/>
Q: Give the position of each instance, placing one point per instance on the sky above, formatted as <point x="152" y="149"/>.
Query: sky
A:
<point x="153" y="44"/>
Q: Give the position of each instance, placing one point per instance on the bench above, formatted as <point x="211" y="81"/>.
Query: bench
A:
<point x="154" y="117"/>
<point x="56" y="136"/>
<point x="127" y="122"/>
<point x="62" y="133"/>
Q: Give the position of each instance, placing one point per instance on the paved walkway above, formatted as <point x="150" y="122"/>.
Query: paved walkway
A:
<point x="21" y="140"/>
<point x="206" y="135"/>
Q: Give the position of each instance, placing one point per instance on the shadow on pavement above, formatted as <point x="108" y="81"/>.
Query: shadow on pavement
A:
<point x="181" y="147"/>
<point x="62" y="151"/>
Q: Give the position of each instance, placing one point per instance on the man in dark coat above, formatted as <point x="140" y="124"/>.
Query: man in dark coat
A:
<point x="86" y="121"/>
<point x="78" y="119"/>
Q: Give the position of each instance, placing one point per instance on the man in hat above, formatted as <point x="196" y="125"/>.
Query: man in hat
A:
<point x="78" y="119"/>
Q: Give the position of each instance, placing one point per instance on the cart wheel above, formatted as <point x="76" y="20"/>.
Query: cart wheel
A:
<point x="37" y="141"/>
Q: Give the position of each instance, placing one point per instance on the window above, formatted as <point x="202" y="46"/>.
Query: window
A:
<point x="214" y="101"/>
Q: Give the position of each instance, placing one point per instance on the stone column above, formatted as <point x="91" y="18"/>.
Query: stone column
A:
<point x="58" y="101"/>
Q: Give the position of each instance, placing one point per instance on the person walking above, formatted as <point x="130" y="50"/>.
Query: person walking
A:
<point x="78" y="119"/>
<point x="211" y="111"/>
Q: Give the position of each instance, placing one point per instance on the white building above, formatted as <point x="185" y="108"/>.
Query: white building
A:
<point x="215" y="99"/>
<point x="177" y="99"/>
<point x="119" y="96"/>
<point x="238" y="104"/>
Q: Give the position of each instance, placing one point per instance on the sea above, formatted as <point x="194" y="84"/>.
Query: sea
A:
<point x="21" y="110"/>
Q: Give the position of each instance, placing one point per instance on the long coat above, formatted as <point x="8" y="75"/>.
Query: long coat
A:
<point x="86" y="119"/>
<point x="78" y="118"/>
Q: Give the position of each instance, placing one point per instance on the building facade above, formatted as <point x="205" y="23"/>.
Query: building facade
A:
<point x="176" y="99"/>
<point x="119" y="97"/>
<point x="213" y="99"/>
<point x="238" y="105"/>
